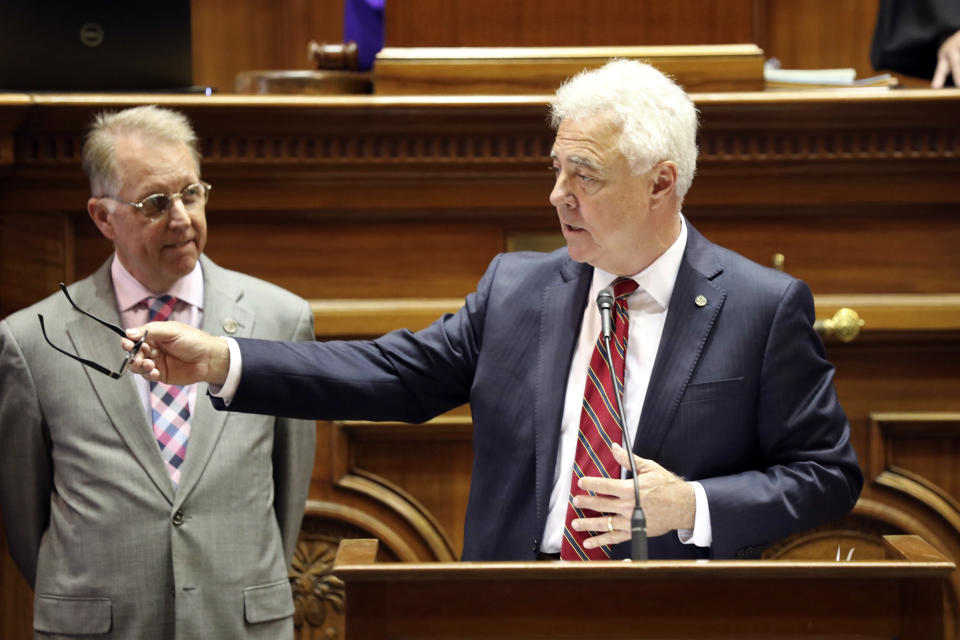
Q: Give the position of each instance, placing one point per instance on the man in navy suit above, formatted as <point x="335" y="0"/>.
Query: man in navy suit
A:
<point x="728" y="398"/>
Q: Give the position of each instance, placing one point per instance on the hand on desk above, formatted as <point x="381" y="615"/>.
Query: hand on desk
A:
<point x="668" y="502"/>
<point x="176" y="353"/>
<point x="948" y="62"/>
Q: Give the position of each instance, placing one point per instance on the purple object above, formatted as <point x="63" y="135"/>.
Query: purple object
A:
<point x="363" y="23"/>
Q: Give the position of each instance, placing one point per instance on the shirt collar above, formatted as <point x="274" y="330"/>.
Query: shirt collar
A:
<point x="130" y="292"/>
<point x="658" y="279"/>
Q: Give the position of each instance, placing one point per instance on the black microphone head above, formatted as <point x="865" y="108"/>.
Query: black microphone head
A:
<point x="605" y="298"/>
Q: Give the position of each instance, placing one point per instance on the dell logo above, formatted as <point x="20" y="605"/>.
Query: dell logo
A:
<point x="91" y="34"/>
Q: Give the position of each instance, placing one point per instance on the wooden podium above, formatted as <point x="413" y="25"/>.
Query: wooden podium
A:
<point x="897" y="598"/>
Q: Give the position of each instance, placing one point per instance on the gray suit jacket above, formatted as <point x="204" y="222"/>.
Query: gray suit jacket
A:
<point x="92" y="519"/>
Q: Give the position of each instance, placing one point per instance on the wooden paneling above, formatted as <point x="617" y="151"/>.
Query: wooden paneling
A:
<point x="541" y="70"/>
<point x="400" y="260"/>
<point x="231" y="36"/>
<point x="846" y="185"/>
<point x="872" y="253"/>
<point x="36" y="253"/>
<point x="234" y="36"/>
<point x="16" y="598"/>
<point x="885" y="598"/>
<point x="385" y="211"/>
<point x="818" y="34"/>
<point x="566" y="23"/>
<point x="437" y="477"/>
<point x="903" y="318"/>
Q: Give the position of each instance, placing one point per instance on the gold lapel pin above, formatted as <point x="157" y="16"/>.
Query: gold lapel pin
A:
<point x="700" y="301"/>
<point x="230" y="325"/>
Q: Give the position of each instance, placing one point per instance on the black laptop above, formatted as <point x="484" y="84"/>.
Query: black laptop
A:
<point x="95" y="45"/>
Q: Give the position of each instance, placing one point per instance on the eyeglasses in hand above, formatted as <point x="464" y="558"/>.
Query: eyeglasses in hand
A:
<point x="159" y="204"/>
<point x="117" y="330"/>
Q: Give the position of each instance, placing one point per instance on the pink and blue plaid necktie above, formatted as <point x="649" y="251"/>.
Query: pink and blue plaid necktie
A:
<point x="600" y="426"/>
<point x="169" y="406"/>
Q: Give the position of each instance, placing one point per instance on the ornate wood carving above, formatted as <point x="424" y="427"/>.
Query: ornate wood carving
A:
<point x="899" y="446"/>
<point x="851" y="538"/>
<point x="748" y="127"/>
<point x="318" y="595"/>
<point x="908" y="457"/>
<point x="374" y="149"/>
<point x="764" y="146"/>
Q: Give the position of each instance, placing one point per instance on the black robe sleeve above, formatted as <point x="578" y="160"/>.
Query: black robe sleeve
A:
<point x="909" y="34"/>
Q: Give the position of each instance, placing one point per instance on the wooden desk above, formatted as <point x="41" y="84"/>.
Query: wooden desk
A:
<point x="896" y="598"/>
<point x="531" y="70"/>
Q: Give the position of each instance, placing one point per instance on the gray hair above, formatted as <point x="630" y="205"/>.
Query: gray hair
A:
<point x="656" y="118"/>
<point x="148" y="122"/>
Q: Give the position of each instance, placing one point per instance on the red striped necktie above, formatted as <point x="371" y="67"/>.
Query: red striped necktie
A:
<point x="169" y="406"/>
<point x="600" y="427"/>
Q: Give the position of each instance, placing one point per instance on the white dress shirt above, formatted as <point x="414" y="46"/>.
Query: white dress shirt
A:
<point x="647" y="308"/>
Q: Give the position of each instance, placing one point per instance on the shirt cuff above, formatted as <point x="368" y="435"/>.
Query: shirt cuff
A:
<point x="229" y="388"/>
<point x="702" y="533"/>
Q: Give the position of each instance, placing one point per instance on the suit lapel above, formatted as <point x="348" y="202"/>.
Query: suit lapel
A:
<point x="561" y="310"/>
<point x="221" y="308"/>
<point x="685" y="333"/>
<point x="120" y="398"/>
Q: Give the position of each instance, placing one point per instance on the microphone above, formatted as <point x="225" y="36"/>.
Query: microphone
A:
<point x="605" y="304"/>
<point x="638" y="522"/>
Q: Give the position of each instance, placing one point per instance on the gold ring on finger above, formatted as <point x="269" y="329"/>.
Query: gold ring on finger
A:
<point x="610" y="524"/>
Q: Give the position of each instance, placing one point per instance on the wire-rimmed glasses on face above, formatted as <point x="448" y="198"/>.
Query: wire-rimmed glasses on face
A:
<point x="159" y="204"/>
<point x="117" y="330"/>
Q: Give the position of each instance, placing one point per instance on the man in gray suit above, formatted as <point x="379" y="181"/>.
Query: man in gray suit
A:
<point x="132" y="509"/>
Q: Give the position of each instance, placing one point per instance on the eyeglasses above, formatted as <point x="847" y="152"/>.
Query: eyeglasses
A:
<point x="117" y="330"/>
<point x="159" y="204"/>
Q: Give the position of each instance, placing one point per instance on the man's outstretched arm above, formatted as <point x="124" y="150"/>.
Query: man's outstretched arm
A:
<point x="176" y="353"/>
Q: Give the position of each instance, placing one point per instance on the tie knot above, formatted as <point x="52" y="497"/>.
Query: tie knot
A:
<point x="623" y="287"/>
<point x="160" y="307"/>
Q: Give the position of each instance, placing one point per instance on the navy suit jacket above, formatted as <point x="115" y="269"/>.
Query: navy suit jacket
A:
<point x="741" y="397"/>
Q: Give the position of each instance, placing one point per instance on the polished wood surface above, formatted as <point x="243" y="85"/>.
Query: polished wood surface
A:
<point x="536" y="70"/>
<point x="303" y="83"/>
<point x="901" y="597"/>
<point x="856" y="189"/>
<point x="567" y="23"/>
<point x="230" y="36"/>
<point x="892" y="316"/>
<point x="817" y="34"/>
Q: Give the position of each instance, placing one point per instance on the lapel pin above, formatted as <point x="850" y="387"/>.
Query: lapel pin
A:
<point x="700" y="301"/>
<point x="230" y="326"/>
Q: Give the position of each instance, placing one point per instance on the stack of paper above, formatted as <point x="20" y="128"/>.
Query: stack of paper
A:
<point x="777" y="78"/>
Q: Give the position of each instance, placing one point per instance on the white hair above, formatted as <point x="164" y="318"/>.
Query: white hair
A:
<point x="151" y="123"/>
<point x="656" y="118"/>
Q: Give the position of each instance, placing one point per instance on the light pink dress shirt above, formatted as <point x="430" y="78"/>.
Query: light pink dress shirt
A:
<point x="134" y="312"/>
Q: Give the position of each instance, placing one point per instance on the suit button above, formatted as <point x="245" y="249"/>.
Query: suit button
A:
<point x="178" y="518"/>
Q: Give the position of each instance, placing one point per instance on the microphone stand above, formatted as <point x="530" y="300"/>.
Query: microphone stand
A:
<point x="638" y="522"/>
